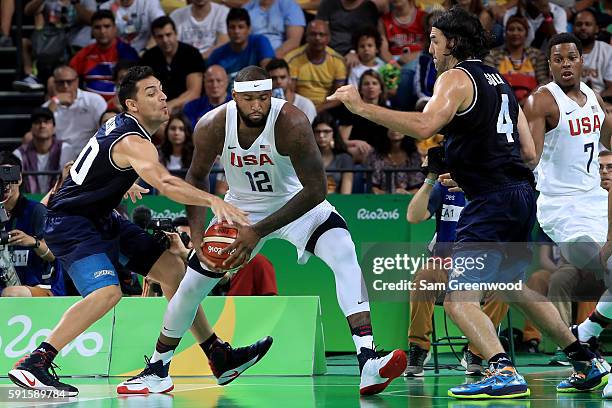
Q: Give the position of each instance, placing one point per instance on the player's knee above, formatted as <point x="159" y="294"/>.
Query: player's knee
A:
<point x="451" y="308"/>
<point x="110" y="295"/>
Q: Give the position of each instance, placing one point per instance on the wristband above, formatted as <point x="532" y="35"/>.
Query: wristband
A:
<point x="429" y="181"/>
<point x="46" y="253"/>
<point x="36" y="243"/>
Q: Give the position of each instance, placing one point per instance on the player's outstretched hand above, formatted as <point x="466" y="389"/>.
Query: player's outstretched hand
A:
<point x="446" y="180"/>
<point x="176" y="245"/>
<point x="135" y="192"/>
<point x="349" y="96"/>
<point x="228" y="213"/>
<point x="241" y="248"/>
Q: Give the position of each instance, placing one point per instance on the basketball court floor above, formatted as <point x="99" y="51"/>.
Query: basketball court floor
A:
<point x="338" y="388"/>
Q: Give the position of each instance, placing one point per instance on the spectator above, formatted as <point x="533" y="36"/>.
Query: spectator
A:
<point x="215" y="94"/>
<point x="42" y="153"/>
<point x="402" y="31"/>
<point x="256" y="278"/>
<point x="344" y="18"/>
<point x="334" y="153"/>
<point x="133" y="19"/>
<point x="119" y="71"/>
<point x="244" y="48"/>
<point x="433" y="200"/>
<point x="545" y="20"/>
<point x="7" y="9"/>
<point x="397" y="152"/>
<point x="597" y="55"/>
<point x="316" y="69"/>
<point x="202" y="25"/>
<point x="27" y="256"/>
<point x="476" y="8"/>
<point x="525" y="68"/>
<point x="76" y="112"/>
<point x="108" y="114"/>
<point x="177" y="148"/>
<point x="279" y="72"/>
<point x="177" y="65"/>
<point x="94" y="64"/>
<point x="80" y="35"/>
<point x="280" y="21"/>
<point x="50" y="42"/>
<point x="360" y="134"/>
<point x="367" y="42"/>
<point x="426" y="74"/>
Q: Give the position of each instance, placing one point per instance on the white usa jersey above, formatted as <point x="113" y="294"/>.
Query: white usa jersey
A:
<point x="569" y="162"/>
<point x="260" y="179"/>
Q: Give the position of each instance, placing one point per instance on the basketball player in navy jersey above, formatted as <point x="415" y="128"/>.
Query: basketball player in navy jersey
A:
<point x="487" y="143"/>
<point x="88" y="236"/>
<point x="568" y="122"/>
<point x="275" y="172"/>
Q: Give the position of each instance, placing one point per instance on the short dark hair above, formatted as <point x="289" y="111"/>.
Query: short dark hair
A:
<point x="277" y="63"/>
<point x="603" y="153"/>
<point x="238" y="14"/>
<point x="161" y="22"/>
<point x="8" y="158"/>
<point x="127" y="87"/>
<point x="121" y="65"/>
<point x="471" y="39"/>
<point x="251" y="73"/>
<point x="564" y="38"/>
<point x="101" y="15"/>
<point x="368" y="32"/>
<point x="591" y="11"/>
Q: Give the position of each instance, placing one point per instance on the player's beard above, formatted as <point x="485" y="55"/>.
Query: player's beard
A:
<point x="251" y="123"/>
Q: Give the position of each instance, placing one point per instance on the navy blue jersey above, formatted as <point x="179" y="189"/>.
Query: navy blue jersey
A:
<point x="96" y="185"/>
<point x="482" y="146"/>
<point x="447" y="207"/>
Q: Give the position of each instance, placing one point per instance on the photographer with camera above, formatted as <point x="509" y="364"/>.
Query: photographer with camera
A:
<point x="27" y="266"/>
<point x="434" y="199"/>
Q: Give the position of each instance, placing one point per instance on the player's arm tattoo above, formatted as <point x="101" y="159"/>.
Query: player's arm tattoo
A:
<point x="208" y="140"/>
<point x="294" y="138"/>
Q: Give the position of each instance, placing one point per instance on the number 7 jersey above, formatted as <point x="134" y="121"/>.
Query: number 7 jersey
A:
<point x="260" y="179"/>
<point x="569" y="162"/>
<point x="96" y="184"/>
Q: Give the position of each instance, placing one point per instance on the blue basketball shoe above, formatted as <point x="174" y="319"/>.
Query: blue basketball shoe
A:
<point x="587" y="376"/>
<point x="500" y="381"/>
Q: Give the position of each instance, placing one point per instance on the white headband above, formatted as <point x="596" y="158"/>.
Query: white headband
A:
<point x="253" y="86"/>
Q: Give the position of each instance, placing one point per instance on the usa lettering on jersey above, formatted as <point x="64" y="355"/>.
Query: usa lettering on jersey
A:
<point x="585" y="125"/>
<point x="238" y="160"/>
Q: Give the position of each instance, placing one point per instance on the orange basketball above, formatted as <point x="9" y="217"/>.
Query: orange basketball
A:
<point x="216" y="238"/>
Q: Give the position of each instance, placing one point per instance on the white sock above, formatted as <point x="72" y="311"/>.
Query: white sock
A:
<point x="195" y="286"/>
<point x="165" y="357"/>
<point x="590" y="328"/>
<point x="363" y="341"/>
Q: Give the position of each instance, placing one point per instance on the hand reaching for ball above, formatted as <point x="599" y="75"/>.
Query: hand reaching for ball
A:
<point x="228" y="213"/>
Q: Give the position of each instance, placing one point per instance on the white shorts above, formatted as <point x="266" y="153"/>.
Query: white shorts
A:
<point x="297" y="232"/>
<point x="564" y="218"/>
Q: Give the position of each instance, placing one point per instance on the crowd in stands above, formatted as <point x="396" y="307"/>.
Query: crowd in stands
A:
<point x="195" y="48"/>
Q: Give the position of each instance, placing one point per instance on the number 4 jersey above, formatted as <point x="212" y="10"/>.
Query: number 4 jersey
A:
<point x="96" y="184"/>
<point x="569" y="161"/>
<point x="482" y="146"/>
<point x="260" y="179"/>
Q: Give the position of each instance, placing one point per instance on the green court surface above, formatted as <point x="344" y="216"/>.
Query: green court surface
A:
<point x="338" y="388"/>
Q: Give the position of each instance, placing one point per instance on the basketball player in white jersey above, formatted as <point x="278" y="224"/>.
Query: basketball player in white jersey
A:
<point x="275" y="174"/>
<point x="568" y="122"/>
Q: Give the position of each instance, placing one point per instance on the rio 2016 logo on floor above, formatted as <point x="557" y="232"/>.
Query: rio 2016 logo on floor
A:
<point x="87" y="344"/>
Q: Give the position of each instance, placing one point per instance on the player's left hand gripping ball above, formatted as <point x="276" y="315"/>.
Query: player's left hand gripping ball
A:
<point x="240" y="250"/>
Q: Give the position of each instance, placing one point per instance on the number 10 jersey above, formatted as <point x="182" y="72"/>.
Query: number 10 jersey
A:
<point x="96" y="184"/>
<point x="260" y="179"/>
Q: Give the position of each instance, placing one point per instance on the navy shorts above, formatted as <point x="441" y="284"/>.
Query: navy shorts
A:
<point x="496" y="228"/>
<point x="91" y="250"/>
